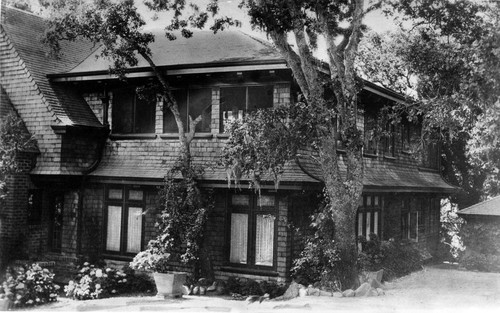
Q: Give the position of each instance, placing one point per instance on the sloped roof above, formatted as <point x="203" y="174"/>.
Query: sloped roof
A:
<point x="489" y="207"/>
<point x="147" y="163"/>
<point x="380" y="176"/>
<point x="204" y="48"/>
<point x="25" y="31"/>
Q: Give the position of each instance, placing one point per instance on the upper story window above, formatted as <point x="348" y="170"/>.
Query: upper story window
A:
<point x="235" y="102"/>
<point x="370" y="134"/>
<point x="131" y="114"/>
<point x="191" y="102"/>
<point x="389" y="141"/>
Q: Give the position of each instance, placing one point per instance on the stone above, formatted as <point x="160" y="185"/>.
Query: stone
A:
<point x="196" y="290"/>
<point x="348" y="293"/>
<point x="372" y="293"/>
<point x="380" y="291"/>
<point x="362" y="290"/>
<point x="302" y="292"/>
<point x="203" y="290"/>
<point x="374" y="283"/>
<point x="337" y="294"/>
<point x="324" y="293"/>
<point x="186" y="290"/>
<point x="291" y="292"/>
<point x="313" y="291"/>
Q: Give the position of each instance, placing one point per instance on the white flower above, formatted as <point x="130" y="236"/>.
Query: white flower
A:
<point x="86" y="264"/>
<point x="98" y="273"/>
<point x="113" y="291"/>
<point x="97" y="286"/>
<point x="29" y="302"/>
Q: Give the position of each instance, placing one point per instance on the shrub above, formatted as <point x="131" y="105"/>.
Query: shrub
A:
<point x="396" y="258"/>
<point x="29" y="286"/>
<point x="473" y="260"/>
<point x="93" y="282"/>
<point x="248" y="287"/>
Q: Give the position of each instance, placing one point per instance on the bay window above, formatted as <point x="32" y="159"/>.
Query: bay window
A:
<point x="124" y="220"/>
<point x="252" y="230"/>
<point x="235" y="102"/>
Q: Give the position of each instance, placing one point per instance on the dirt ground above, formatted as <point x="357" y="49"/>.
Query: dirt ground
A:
<point x="434" y="289"/>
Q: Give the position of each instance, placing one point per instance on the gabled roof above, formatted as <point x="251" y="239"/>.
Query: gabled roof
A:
<point x="25" y="31"/>
<point x="203" y="49"/>
<point x="489" y="207"/>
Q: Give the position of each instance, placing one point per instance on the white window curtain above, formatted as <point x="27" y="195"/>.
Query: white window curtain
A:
<point x="368" y="223"/>
<point x="134" y="230"/>
<point x="114" y="228"/>
<point x="239" y="238"/>
<point x="264" y="240"/>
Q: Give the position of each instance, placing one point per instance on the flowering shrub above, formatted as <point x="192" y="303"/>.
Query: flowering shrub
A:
<point x="93" y="282"/>
<point x="29" y="286"/>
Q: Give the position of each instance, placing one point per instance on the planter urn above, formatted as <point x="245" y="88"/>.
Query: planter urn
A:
<point x="169" y="285"/>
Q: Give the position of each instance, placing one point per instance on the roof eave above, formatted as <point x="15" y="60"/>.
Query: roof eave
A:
<point x="173" y="70"/>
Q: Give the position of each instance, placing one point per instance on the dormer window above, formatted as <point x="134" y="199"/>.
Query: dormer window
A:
<point x="235" y="102"/>
<point x="192" y="102"/>
<point x="131" y="114"/>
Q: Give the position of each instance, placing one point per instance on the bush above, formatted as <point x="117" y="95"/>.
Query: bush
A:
<point x="93" y="282"/>
<point x="29" y="286"/>
<point x="249" y="287"/>
<point x="396" y="258"/>
<point x="480" y="262"/>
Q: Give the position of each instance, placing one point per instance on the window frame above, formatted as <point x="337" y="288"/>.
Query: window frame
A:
<point x="246" y="86"/>
<point x="368" y="206"/>
<point x="125" y="203"/>
<point x="187" y="90"/>
<point x="253" y="209"/>
<point x="134" y="112"/>
<point x="408" y="214"/>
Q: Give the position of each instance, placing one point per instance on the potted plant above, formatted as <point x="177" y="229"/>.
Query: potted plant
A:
<point x="153" y="259"/>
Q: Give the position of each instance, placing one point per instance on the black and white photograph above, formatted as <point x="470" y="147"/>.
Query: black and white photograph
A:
<point x="250" y="155"/>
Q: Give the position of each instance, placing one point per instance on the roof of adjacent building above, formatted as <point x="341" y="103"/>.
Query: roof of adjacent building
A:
<point x="25" y="31"/>
<point x="489" y="207"/>
<point x="204" y="48"/>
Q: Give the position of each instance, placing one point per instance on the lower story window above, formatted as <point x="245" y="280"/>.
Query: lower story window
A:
<point x="409" y="225"/>
<point x="252" y="230"/>
<point x="124" y="220"/>
<point x="368" y="221"/>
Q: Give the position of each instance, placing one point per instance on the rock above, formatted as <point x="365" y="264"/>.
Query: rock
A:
<point x="313" y="291"/>
<point x="362" y="290"/>
<point x="380" y="291"/>
<point x="337" y="294"/>
<point x="374" y="283"/>
<point x="186" y="290"/>
<point x="196" y="290"/>
<point x="212" y="287"/>
<point x="348" y="293"/>
<point x="325" y="293"/>
<point x="203" y="290"/>
<point x="372" y="293"/>
<point x="302" y="292"/>
<point x="292" y="291"/>
<point x="221" y="288"/>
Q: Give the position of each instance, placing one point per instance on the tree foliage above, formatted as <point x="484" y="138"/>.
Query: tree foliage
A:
<point x="448" y="65"/>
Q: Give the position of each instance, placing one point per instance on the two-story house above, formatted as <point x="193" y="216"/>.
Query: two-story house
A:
<point x="104" y="152"/>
